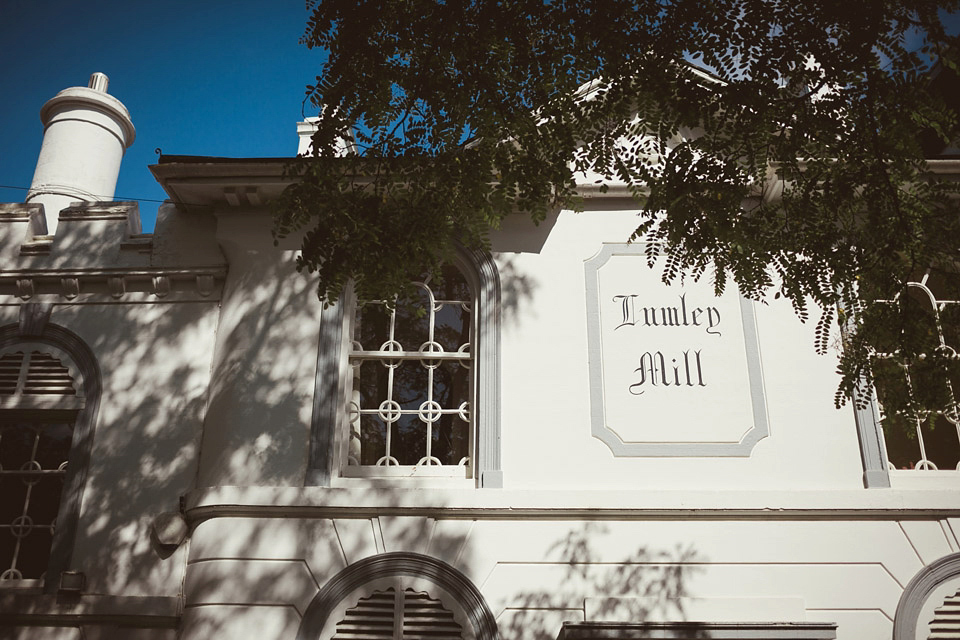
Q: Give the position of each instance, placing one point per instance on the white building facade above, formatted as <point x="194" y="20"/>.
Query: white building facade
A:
<point x="555" y="445"/>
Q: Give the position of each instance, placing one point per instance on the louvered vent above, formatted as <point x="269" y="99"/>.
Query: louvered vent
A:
<point x="372" y="618"/>
<point x="34" y="374"/>
<point x="946" y="620"/>
<point x="382" y="616"/>
<point x="424" y="617"/>
<point x="10" y="364"/>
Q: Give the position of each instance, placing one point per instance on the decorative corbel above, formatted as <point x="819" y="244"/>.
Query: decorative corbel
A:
<point x="33" y="318"/>
<point x="24" y="288"/>
<point x="70" y="287"/>
<point x="205" y="285"/>
<point x="161" y="286"/>
<point x="117" y="286"/>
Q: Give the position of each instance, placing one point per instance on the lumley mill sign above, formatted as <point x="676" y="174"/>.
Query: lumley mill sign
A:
<point x="675" y="370"/>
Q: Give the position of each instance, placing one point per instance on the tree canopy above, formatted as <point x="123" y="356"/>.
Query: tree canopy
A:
<point x="774" y="143"/>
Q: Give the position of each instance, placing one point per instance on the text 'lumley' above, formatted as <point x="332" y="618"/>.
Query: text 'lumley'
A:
<point x="657" y="369"/>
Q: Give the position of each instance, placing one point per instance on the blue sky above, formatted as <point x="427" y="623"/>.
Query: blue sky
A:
<point x="200" y="77"/>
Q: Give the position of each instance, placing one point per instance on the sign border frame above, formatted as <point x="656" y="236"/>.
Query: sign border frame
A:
<point x="598" y="422"/>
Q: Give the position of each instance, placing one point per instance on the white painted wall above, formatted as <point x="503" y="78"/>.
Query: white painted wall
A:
<point x="212" y="400"/>
<point x="546" y="383"/>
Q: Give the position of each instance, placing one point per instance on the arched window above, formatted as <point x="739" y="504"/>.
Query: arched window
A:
<point x="411" y="381"/>
<point x="917" y="396"/>
<point x="410" y="388"/>
<point x="930" y="603"/>
<point x="49" y="392"/>
<point x="398" y="596"/>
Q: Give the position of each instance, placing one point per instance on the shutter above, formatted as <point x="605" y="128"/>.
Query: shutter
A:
<point x="946" y="620"/>
<point x="380" y="616"/>
<point x="36" y="374"/>
<point x="47" y="376"/>
<point x="10" y="364"/>
<point x="371" y="619"/>
<point x="424" y="617"/>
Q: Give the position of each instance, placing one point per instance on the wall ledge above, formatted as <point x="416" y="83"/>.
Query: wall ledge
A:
<point x="361" y="502"/>
<point x="33" y="609"/>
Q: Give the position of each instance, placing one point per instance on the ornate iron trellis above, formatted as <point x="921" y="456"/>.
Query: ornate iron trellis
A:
<point x="920" y="413"/>
<point x="423" y="388"/>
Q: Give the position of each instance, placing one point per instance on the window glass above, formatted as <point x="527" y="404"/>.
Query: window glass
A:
<point x="39" y="403"/>
<point x="917" y="394"/>
<point x="412" y="379"/>
<point x="33" y="464"/>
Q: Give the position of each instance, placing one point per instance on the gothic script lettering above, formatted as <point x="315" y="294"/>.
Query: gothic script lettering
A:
<point x="667" y="316"/>
<point x="655" y="370"/>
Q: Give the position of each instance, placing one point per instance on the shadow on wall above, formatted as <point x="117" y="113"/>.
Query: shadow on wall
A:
<point x="516" y="290"/>
<point x="645" y="585"/>
<point x="147" y="438"/>
<point x="159" y="401"/>
<point x="156" y="362"/>
<point x="154" y="346"/>
<point x="257" y="427"/>
<point x="269" y="571"/>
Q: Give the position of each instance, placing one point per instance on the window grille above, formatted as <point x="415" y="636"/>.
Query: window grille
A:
<point x="412" y="383"/>
<point x="918" y="406"/>
<point x="34" y="448"/>
<point x="398" y="615"/>
<point x="33" y="464"/>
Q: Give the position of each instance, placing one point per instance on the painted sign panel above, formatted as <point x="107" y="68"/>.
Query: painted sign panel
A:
<point x="675" y="369"/>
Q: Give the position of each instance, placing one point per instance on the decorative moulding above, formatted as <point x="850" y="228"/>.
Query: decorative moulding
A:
<point x="692" y="630"/>
<point x="915" y="594"/>
<point x="674" y="370"/>
<point x="128" y="285"/>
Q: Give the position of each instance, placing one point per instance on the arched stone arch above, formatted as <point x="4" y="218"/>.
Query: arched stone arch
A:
<point x="399" y="565"/>
<point x="918" y="591"/>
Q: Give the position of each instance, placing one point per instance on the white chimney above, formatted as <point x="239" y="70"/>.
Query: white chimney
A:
<point x="305" y="130"/>
<point x="86" y="131"/>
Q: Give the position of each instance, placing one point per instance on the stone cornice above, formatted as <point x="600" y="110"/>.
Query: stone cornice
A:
<point x="135" y="284"/>
<point x="203" y="181"/>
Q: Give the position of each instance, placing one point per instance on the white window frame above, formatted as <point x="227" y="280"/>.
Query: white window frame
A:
<point x="878" y="470"/>
<point x="328" y="435"/>
<point x="464" y="470"/>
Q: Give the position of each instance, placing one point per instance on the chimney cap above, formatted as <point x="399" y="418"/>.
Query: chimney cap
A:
<point x="98" y="82"/>
<point x="86" y="97"/>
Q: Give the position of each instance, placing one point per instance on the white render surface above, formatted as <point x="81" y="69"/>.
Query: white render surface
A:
<point x="208" y="342"/>
<point x="545" y="347"/>
<point x="551" y="571"/>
